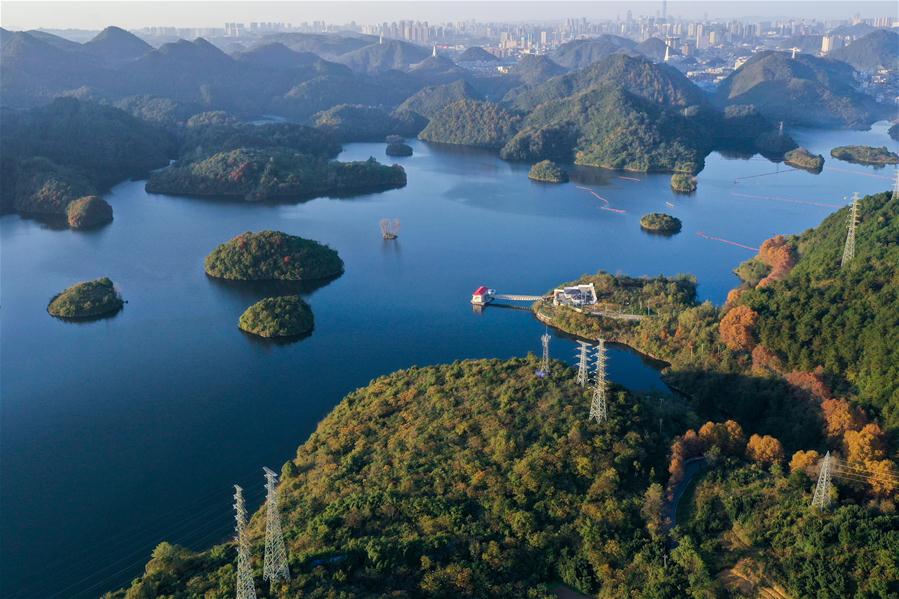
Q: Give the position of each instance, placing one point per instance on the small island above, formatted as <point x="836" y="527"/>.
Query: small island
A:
<point x="273" y="174"/>
<point x="399" y="149"/>
<point x="683" y="183"/>
<point x="285" y="316"/>
<point x="89" y="299"/>
<point x="865" y="155"/>
<point x="657" y="222"/>
<point x="88" y="211"/>
<point x="802" y="158"/>
<point x="272" y="255"/>
<point x="548" y="171"/>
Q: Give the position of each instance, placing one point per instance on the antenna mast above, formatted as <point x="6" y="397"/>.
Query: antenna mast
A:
<point x="274" y="567"/>
<point x="598" y="411"/>
<point x="849" y="248"/>
<point x="244" y="585"/>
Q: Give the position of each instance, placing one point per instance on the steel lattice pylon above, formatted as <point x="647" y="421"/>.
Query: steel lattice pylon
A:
<point x="244" y="585"/>
<point x="274" y="567"/>
<point x="583" y="364"/>
<point x="821" y="498"/>
<point x="598" y="409"/>
<point x="544" y="361"/>
<point x="849" y="248"/>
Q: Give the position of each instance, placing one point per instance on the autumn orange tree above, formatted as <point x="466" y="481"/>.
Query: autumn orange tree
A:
<point x="764" y="449"/>
<point x="737" y="328"/>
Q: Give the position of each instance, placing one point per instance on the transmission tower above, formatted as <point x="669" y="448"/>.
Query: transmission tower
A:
<point x="821" y="498"/>
<point x="544" y="361"/>
<point x="274" y="567"/>
<point x="896" y="187"/>
<point x="583" y="364"/>
<point x="849" y="248"/>
<point x="598" y="410"/>
<point x="245" y="588"/>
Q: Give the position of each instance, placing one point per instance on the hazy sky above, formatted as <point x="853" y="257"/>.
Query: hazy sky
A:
<point x="135" y="14"/>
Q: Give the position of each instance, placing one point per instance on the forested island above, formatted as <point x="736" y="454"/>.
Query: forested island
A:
<point x="283" y="316"/>
<point x="272" y="255"/>
<point x="865" y="155"/>
<point x="802" y="158"/>
<point x="89" y="299"/>
<point x="398" y="149"/>
<point x="683" y="183"/>
<point x="548" y="171"/>
<point x="657" y="222"/>
<point x="88" y="212"/>
<point x="274" y="174"/>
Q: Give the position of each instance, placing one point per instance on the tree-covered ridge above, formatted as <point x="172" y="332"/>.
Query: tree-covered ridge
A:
<point x="609" y="127"/>
<point x="274" y="174"/>
<point x="878" y="49"/>
<point x="754" y="529"/>
<point x="56" y="153"/>
<point x="473" y="479"/>
<point x="208" y="138"/>
<point x="806" y="91"/>
<point x="432" y="99"/>
<point x="86" y="300"/>
<point x="283" y="316"/>
<point x="472" y="123"/>
<point x="363" y="123"/>
<point x="865" y="155"/>
<point x="272" y="255"/>
<point x="845" y="320"/>
<point x="657" y="83"/>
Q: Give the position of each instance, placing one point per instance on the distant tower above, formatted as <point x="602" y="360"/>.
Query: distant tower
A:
<point x="795" y="52"/>
<point x="381" y="40"/>
<point x="849" y="248"/>
<point x="434" y="51"/>
<point x="667" y="53"/>
<point x="583" y="364"/>
<point x="664" y="11"/>
<point x="598" y="411"/>
<point x="245" y="588"/>
<point x="896" y="186"/>
<point x="821" y="498"/>
<point x="544" y="361"/>
<point x="275" y="565"/>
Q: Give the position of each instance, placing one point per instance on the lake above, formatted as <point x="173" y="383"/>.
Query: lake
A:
<point x="120" y="433"/>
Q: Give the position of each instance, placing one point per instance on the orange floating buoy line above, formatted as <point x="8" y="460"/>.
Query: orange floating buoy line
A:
<point x="728" y="241"/>
<point x="606" y="204"/>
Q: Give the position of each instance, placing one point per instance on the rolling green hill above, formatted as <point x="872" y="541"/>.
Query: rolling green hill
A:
<point x="472" y="123"/>
<point x="807" y="91"/>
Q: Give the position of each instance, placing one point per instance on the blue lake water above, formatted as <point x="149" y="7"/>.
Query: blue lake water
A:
<point x="119" y="433"/>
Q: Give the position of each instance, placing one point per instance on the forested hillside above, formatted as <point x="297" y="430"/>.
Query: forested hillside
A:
<point x="479" y="479"/>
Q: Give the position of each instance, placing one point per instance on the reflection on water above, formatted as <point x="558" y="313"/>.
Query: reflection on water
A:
<point x="166" y="405"/>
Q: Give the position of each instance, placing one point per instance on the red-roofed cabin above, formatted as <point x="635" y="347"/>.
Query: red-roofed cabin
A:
<point x="482" y="296"/>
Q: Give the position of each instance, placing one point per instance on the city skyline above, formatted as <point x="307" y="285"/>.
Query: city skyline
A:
<point x="97" y="15"/>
